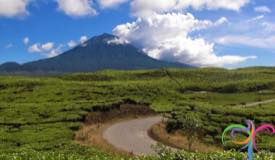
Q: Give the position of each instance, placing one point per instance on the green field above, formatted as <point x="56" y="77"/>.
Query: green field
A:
<point x="43" y="113"/>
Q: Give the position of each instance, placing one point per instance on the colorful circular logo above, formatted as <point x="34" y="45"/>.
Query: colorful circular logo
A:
<point x="251" y="131"/>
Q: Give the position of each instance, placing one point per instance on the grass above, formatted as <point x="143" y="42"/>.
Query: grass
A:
<point x="43" y="113"/>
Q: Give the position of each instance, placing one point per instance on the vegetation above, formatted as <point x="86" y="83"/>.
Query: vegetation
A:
<point x="163" y="154"/>
<point x="216" y="119"/>
<point x="43" y="113"/>
<point x="190" y="124"/>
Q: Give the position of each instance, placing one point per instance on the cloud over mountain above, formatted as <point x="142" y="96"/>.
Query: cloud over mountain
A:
<point x="163" y="32"/>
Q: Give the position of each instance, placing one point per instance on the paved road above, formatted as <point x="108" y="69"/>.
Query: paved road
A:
<point x="132" y="135"/>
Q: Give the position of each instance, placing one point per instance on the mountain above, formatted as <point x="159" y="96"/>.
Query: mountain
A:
<point x="10" y="66"/>
<point x="94" y="55"/>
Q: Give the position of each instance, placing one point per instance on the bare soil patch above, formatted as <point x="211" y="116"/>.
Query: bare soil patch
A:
<point x="178" y="140"/>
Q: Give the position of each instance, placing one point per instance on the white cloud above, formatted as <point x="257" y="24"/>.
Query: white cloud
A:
<point x="35" y="48"/>
<point x="53" y="53"/>
<point x="258" y="42"/>
<point x="39" y="48"/>
<point x="83" y="39"/>
<point x="118" y="41"/>
<point x="257" y="18"/>
<point x="143" y="8"/>
<point x="221" y="21"/>
<point x="46" y="49"/>
<point x="71" y="44"/>
<point x="166" y="37"/>
<point x="77" y="8"/>
<point x="13" y="8"/>
<point x="47" y="46"/>
<point x="262" y="9"/>
<point x="26" y="40"/>
<point x="110" y="3"/>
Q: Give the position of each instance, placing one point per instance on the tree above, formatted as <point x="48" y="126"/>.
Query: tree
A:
<point x="191" y="125"/>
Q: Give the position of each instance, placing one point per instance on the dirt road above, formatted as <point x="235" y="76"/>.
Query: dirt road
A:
<point x="132" y="135"/>
<point x="260" y="103"/>
<point x="253" y="104"/>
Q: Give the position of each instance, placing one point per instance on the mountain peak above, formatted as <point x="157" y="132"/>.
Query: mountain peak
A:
<point x="105" y="37"/>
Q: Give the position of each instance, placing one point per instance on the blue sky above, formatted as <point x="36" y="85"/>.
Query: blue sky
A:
<point x="240" y="33"/>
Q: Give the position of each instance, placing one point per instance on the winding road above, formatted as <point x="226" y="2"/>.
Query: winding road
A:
<point x="132" y="136"/>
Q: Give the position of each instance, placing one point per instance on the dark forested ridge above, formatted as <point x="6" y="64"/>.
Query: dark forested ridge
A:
<point x="96" y="54"/>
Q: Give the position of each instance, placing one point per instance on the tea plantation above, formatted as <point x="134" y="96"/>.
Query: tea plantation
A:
<point x="39" y="115"/>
